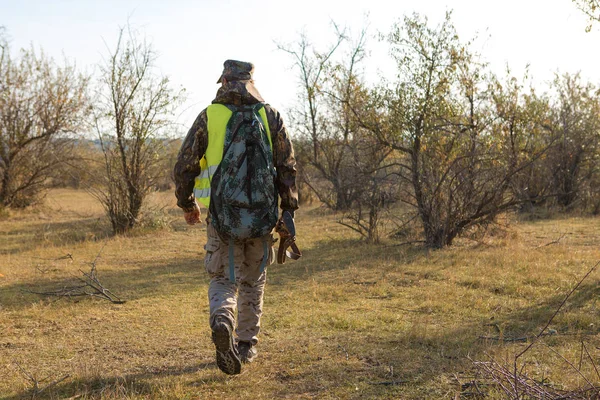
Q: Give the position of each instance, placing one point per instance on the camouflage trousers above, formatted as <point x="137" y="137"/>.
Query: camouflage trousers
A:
<point x="242" y="292"/>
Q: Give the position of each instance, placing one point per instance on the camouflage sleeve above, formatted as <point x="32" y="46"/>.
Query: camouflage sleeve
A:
<point x="285" y="163"/>
<point x="187" y="167"/>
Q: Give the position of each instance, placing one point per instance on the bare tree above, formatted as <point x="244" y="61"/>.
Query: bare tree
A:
<point x="42" y="106"/>
<point x="342" y="142"/>
<point x="133" y="110"/>
<point x="321" y="149"/>
<point x="341" y="161"/>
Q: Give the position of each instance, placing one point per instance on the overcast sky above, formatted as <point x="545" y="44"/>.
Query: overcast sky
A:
<point x="193" y="38"/>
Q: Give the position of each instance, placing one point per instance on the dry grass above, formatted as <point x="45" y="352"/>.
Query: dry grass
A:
<point x="346" y="321"/>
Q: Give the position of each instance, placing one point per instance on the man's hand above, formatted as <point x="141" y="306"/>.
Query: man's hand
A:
<point x="192" y="217"/>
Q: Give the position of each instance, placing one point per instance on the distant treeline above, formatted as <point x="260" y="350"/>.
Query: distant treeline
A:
<point x="439" y="150"/>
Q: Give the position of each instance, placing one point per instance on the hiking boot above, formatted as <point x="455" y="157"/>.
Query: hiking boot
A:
<point x="228" y="359"/>
<point x="247" y="352"/>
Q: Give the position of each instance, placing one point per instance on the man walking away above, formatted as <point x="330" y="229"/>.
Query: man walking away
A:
<point x="237" y="160"/>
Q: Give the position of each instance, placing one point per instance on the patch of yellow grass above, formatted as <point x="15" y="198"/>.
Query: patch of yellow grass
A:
<point x="346" y="321"/>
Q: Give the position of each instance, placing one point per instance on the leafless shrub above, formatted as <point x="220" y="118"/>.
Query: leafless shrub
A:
<point x="133" y="110"/>
<point x="323" y="117"/>
<point x="42" y="106"/>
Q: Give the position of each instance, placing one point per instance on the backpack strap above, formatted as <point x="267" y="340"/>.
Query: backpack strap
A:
<point x="263" y="115"/>
<point x="231" y="263"/>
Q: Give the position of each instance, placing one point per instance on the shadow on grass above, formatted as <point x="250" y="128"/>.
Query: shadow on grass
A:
<point x="180" y="275"/>
<point x="529" y="321"/>
<point x="185" y="275"/>
<point x="367" y="358"/>
<point x="417" y="356"/>
<point x="426" y="360"/>
<point x="32" y="235"/>
<point x="138" y="384"/>
<point x="339" y="254"/>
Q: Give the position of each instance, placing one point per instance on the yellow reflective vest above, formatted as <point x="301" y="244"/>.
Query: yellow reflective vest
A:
<point x="217" y="116"/>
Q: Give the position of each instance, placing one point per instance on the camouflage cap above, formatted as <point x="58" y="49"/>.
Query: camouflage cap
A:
<point x="234" y="70"/>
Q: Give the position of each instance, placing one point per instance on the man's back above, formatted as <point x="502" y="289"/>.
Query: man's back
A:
<point x="243" y="200"/>
<point x="195" y="144"/>
<point x="237" y="268"/>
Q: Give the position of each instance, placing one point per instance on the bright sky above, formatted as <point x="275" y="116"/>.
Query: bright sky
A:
<point x="193" y="38"/>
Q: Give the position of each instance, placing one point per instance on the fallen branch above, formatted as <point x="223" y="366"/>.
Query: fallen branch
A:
<point x="517" y="339"/>
<point x="506" y="340"/>
<point x="390" y="383"/>
<point x="507" y="381"/>
<point x="405" y="243"/>
<point x="535" y="339"/>
<point x="515" y="383"/>
<point x="90" y="286"/>
<point x="504" y="378"/>
<point x="67" y="256"/>
<point x="557" y="241"/>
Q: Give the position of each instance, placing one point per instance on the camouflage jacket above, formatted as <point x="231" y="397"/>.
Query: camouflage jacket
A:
<point x="194" y="146"/>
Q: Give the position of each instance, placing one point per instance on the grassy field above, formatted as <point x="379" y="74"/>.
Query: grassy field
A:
<point x="347" y="321"/>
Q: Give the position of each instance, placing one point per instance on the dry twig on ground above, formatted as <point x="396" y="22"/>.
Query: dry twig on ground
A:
<point x="515" y="383"/>
<point x="514" y="339"/>
<point x="557" y="241"/>
<point x="521" y="386"/>
<point x="90" y="286"/>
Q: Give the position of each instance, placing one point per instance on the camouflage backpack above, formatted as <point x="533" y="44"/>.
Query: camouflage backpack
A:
<point x="243" y="201"/>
